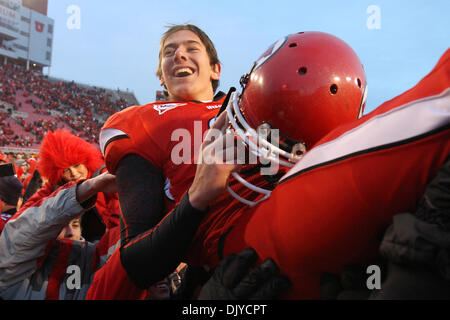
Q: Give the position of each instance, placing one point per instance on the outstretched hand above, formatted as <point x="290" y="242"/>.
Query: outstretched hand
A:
<point x="104" y="182"/>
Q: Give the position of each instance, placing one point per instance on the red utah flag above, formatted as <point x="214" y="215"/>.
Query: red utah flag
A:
<point x="39" y="26"/>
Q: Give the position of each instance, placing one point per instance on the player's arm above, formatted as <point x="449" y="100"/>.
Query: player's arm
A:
<point x="151" y="249"/>
<point x="152" y="243"/>
<point x="140" y="186"/>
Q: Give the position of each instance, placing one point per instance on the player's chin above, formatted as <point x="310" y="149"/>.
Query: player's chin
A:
<point x="184" y="91"/>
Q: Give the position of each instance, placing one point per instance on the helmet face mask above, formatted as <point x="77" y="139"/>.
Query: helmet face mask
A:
<point x="265" y="146"/>
<point x="302" y="87"/>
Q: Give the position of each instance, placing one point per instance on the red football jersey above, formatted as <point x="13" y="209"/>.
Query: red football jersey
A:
<point x="333" y="207"/>
<point x="167" y="134"/>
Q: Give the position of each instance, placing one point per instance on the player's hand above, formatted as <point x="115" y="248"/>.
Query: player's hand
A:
<point x="233" y="280"/>
<point x="217" y="160"/>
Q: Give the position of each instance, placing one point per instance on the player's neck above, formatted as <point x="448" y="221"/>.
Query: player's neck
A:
<point x="203" y="97"/>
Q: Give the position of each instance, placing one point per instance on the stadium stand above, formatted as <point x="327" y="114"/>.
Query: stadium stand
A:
<point x="32" y="104"/>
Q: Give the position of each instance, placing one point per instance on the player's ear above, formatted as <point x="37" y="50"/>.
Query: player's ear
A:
<point x="161" y="81"/>
<point x="216" y="69"/>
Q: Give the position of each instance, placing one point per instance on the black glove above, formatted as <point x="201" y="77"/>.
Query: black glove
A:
<point x="233" y="281"/>
<point x="351" y="284"/>
<point x="434" y="205"/>
<point x="412" y="283"/>
<point x="348" y="286"/>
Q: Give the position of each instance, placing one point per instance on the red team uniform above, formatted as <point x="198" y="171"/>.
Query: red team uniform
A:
<point x="330" y="210"/>
<point x="346" y="190"/>
<point x="158" y="132"/>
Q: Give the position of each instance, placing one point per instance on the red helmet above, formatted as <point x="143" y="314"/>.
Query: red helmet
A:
<point x="304" y="85"/>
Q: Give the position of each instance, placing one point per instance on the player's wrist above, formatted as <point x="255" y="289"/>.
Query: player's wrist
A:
<point x="197" y="200"/>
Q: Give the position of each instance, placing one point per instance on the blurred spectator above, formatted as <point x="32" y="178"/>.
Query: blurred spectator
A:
<point x="72" y="230"/>
<point x="31" y="186"/>
<point x="24" y="170"/>
<point x="3" y="159"/>
<point x="10" y="192"/>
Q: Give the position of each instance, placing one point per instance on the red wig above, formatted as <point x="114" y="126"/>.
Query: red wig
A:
<point x="60" y="150"/>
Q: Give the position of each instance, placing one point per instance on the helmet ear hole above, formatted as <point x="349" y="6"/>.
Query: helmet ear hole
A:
<point x="359" y="82"/>
<point x="333" y="89"/>
<point x="293" y="45"/>
<point x="302" y="71"/>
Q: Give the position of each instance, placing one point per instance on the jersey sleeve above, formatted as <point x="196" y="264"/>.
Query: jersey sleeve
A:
<point x="132" y="131"/>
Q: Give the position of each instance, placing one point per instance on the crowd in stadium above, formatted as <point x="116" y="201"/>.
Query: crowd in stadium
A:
<point x="24" y="165"/>
<point x="64" y="104"/>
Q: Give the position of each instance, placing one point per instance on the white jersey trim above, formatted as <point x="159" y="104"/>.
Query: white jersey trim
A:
<point x="108" y="135"/>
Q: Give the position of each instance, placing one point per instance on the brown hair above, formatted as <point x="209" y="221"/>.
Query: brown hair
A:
<point x="210" y="49"/>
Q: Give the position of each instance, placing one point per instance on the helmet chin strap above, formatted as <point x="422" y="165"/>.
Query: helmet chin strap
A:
<point x="258" y="145"/>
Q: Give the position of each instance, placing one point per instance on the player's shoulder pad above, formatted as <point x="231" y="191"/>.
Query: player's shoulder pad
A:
<point x="120" y="124"/>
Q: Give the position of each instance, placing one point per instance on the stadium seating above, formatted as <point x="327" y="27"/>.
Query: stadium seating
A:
<point x="32" y="103"/>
